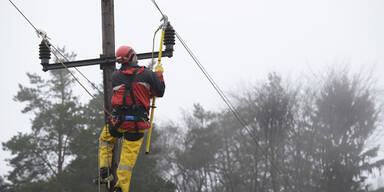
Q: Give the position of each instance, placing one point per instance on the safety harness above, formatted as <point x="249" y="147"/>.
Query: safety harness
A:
<point x="125" y="112"/>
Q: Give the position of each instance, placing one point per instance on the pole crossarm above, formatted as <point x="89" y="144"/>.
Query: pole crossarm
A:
<point x="79" y="63"/>
<point x="102" y="60"/>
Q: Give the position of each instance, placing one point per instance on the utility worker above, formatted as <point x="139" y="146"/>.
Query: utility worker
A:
<point x="133" y="86"/>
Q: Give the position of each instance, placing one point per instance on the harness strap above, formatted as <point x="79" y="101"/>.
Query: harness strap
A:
<point x="137" y="116"/>
<point x="134" y="104"/>
<point x="128" y="87"/>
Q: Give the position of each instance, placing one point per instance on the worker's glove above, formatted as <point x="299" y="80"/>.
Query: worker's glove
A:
<point x="159" y="68"/>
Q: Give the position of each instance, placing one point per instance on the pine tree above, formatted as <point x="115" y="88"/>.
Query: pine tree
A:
<point x="80" y="172"/>
<point x="41" y="155"/>
<point x="345" y="116"/>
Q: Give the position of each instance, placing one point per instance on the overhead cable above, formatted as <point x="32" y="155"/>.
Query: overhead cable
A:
<point x="43" y="35"/>
<point x="224" y="97"/>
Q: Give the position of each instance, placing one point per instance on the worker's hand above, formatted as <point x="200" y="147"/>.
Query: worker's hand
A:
<point x="159" y="68"/>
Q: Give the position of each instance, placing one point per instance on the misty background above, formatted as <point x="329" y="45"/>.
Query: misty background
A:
<point x="238" y="42"/>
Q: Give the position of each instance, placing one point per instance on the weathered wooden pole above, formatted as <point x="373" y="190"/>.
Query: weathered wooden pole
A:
<point x="108" y="35"/>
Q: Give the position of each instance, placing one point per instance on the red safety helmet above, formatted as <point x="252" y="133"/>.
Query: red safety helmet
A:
<point x="125" y="54"/>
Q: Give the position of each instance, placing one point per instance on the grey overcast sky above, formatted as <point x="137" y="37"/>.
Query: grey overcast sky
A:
<point x="239" y="42"/>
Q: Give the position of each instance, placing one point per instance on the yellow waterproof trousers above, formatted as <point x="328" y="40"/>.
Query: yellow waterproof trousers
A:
<point x="129" y="153"/>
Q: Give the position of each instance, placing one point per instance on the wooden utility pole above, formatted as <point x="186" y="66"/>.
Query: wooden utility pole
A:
<point x="107" y="64"/>
<point x="108" y="35"/>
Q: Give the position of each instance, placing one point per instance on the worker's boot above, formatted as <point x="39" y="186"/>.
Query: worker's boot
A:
<point x="103" y="175"/>
<point x="117" y="189"/>
<point x="105" y="172"/>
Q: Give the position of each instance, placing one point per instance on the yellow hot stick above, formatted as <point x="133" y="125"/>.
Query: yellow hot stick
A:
<point x="154" y="97"/>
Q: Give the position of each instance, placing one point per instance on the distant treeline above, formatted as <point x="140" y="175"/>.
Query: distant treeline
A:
<point x="299" y="137"/>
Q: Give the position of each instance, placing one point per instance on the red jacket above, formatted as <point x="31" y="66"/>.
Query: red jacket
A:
<point x="146" y="84"/>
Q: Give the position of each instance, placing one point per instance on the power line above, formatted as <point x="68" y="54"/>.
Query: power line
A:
<point x="41" y="34"/>
<point x="201" y="67"/>
<point x="82" y="74"/>
<point x="24" y="16"/>
<point x="44" y="37"/>
<point x="210" y="79"/>
<point x="215" y="86"/>
<point x="225" y="99"/>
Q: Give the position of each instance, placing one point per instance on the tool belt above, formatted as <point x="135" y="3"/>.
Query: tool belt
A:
<point x="130" y="113"/>
<point x="120" y="114"/>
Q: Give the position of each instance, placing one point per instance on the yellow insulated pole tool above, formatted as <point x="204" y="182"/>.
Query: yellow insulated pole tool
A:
<point x="154" y="97"/>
